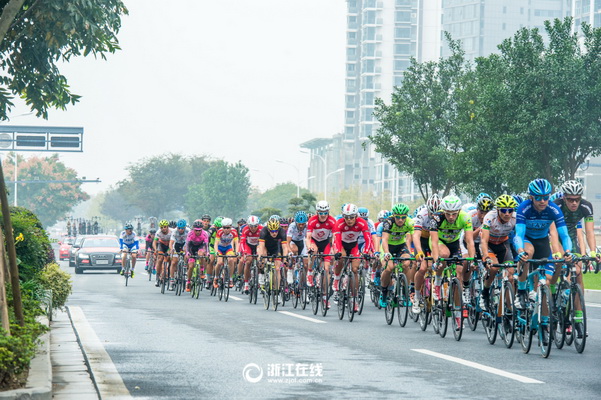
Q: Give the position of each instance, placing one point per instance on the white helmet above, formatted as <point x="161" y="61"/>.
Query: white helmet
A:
<point x="450" y="203"/>
<point x="253" y="220"/>
<point x="433" y="203"/>
<point x="322" y="206"/>
<point x="382" y="214"/>
<point x="573" y="188"/>
<point x="349" y="209"/>
<point x="226" y="222"/>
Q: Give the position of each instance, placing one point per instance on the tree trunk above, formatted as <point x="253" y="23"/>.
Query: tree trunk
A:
<point x="10" y="11"/>
<point x="3" y="301"/>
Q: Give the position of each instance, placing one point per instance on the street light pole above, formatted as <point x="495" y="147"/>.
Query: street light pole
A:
<point x="297" y="175"/>
<point x="325" y="196"/>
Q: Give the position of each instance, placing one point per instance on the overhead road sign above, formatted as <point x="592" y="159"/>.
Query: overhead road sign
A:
<point x="41" y="138"/>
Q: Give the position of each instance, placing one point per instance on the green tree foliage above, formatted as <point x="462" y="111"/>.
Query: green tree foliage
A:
<point x="117" y="207"/>
<point x="223" y="190"/>
<point x="49" y="201"/>
<point x="278" y="197"/>
<point x="36" y="35"/>
<point x="305" y="203"/>
<point x="266" y="212"/>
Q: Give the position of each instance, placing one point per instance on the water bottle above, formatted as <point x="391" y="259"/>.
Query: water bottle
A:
<point x="566" y="296"/>
<point x="445" y="290"/>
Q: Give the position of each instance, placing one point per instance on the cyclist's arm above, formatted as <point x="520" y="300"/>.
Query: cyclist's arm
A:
<point x="235" y="244"/>
<point x="589" y="227"/>
<point x="121" y="243"/>
<point x="469" y="240"/>
<point x="417" y="235"/>
<point x="384" y="243"/>
<point x="434" y="246"/>
<point x="484" y="236"/>
<point x="581" y="241"/>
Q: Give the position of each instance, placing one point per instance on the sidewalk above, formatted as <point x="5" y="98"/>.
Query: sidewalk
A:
<point x="71" y="378"/>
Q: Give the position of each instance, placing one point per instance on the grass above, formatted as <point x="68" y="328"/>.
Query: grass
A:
<point x="592" y="280"/>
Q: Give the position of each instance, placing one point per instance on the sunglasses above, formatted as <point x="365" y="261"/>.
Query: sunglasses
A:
<point x="541" y="198"/>
<point x="400" y="217"/>
<point x="274" y="231"/>
<point x="227" y="227"/>
<point x="350" y="216"/>
<point x="323" y="213"/>
<point x="572" y="199"/>
<point x="506" y="210"/>
<point x="452" y="214"/>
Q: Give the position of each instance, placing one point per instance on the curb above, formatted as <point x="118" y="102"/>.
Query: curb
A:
<point x="592" y="296"/>
<point x="39" y="381"/>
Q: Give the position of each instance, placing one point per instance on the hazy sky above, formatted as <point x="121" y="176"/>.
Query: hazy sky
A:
<point x="233" y="79"/>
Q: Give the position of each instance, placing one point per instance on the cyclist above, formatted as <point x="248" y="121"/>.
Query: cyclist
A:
<point x="346" y="234"/>
<point x="241" y="224"/>
<point x="483" y="206"/>
<point x="129" y="239"/>
<point x="533" y="220"/>
<point x="149" y="242"/>
<point x="272" y="243"/>
<point x="226" y="244"/>
<point x="495" y="243"/>
<point x="445" y="228"/>
<point x="396" y="242"/>
<point x="421" y="243"/>
<point x="161" y="248"/>
<point x="319" y="237"/>
<point x="197" y="245"/>
<point x="212" y="232"/>
<point x="176" y="245"/>
<point x="297" y="232"/>
<point x="248" y="245"/>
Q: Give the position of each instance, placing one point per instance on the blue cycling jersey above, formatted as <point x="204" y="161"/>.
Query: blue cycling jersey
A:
<point x="380" y="229"/>
<point x="535" y="225"/>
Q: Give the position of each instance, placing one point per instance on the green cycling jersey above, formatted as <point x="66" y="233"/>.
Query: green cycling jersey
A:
<point x="450" y="232"/>
<point x="397" y="233"/>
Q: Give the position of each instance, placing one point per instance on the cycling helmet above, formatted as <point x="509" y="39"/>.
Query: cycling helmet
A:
<point x="284" y="221"/>
<point x="400" y="209"/>
<point x="273" y="224"/>
<point x="206" y="216"/>
<point x="301" y="217"/>
<point x="539" y="187"/>
<point x="349" y="209"/>
<point x="226" y="222"/>
<point x="387" y="214"/>
<point x="555" y="196"/>
<point x="450" y="203"/>
<point x="342" y="208"/>
<point x="381" y="214"/>
<point x="218" y="222"/>
<point x="322" y="206"/>
<point x="418" y="209"/>
<point x="485" y="203"/>
<point x="163" y="223"/>
<point x="573" y="188"/>
<point x="197" y="225"/>
<point x="152" y="231"/>
<point x="241" y="221"/>
<point x="363" y="212"/>
<point x="481" y="195"/>
<point x="505" y="201"/>
<point x="433" y="203"/>
<point x="275" y="217"/>
<point x="518" y="199"/>
<point x="468" y="207"/>
<point x="172" y="224"/>
<point x="253" y="220"/>
<point x="128" y="226"/>
<point x="181" y="224"/>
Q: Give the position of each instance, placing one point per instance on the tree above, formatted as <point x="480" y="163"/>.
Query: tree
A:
<point x="49" y="201"/>
<point x="305" y="203"/>
<point x="223" y="190"/>
<point x="266" y="212"/>
<point x="35" y="35"/>
<point x="114" y="205"/>
<point x="420" y="130"/>
<point x="278" y="197"/>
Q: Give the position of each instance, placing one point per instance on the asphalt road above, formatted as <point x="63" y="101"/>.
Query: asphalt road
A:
<point x="165" y="346"/>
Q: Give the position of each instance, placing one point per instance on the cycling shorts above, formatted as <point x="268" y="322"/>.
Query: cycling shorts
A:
<point x="324" y="247"/>
<point x="501" y="251"/>
<point x="542" y="249"/>
<point x="425" y="242"/>
<point x="398" y="249"/>
<point x="225" y="250"/>
<point x="177" y="247"/>
<point x="300" y="245"/>
<point x="351" y="249"/>
<point x="163" y="248"/>
<point x="253" y="249"/>
<point x="454" y="247"/>
<point x="193" y="251"/>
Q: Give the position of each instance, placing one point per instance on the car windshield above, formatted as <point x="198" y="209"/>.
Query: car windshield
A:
<point x="69" y="241"/>
<point x="101" y="242"/>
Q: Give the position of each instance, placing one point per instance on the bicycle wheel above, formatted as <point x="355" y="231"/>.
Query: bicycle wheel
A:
<point x="127" y="267"/>
<point x="315" y="293"/>
<point x="361" y="293"/>
<point x="489" y="319"/>
<point x="163" y="282"/>
<point x="403" y="299"/>
<point x="545" y="328"/>
<point x="304" y="290"/>
<point x="220" y="285"/>
<point x="226" y="287"/>
<point x="456" y="308"/>
<point x="284" y="288"/>
<point x="443" y="318"/>
<point x="390" y="304"/>
<point x="507" y="324"/>
<point x="559" y="328"/>
<point x="274" y="299"/>
<point x="150" y="267"/>
<point x="473" y="312"/>
<point x="341" y="298"/>
<point x="425" y="316"/>
<point x="350" y="298"/>
<point x="578" y="332"/>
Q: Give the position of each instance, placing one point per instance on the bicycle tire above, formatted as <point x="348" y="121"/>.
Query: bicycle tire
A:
<point x="489" y="320"/>
<point x="226" y="288"/>
<point x="352" y="300"/>
<point x="361" y="293"/>
<point x="163" y="283"/>
<point x="473" y="315"/>
<point x="390" y="300"/>
<point x="507" y="326"/>
<point x="303" y="294"/>
<point x="403" y="299"/>
<point x="559" y="336"/>
<point x="579" y="343"/>
<point x="341" y="299"/>
<point x="283" y="289"/>
<point x="150" y="267"/>
<point x="425" y="315"/>
<point x="456" y="309"/>
<point x="545" y="330"/>
<point x="127" y="267"/>
<point x="274" y="299"/>
<point x="443" y="319"/>
<point x="315" y="294"/>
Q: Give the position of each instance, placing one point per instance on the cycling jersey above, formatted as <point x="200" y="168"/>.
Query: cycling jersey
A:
<point x="149" y="240"/>
<point x="226" y="238"/>
<point x="349" y="235"/>
<point x="131" y="240"/>
<point x="531" y="224"/>
<point x="573" y="218"/>
<point x="476" y="223"/>
<point x="163" y="238"/>
<point x="295" y="234"/>
<point x="422" y="222"/>
<point x="372" y="230"/>
<point x="320" y="231"/>
<point x="273" y="245"/>
<point x="179" y="237"/>
<point x="196" y="242"/>
<point x="498" y="230"/>
<point x="249" y="240"/>
<point x="449" y="232"/>
<point x="397" y="234"/>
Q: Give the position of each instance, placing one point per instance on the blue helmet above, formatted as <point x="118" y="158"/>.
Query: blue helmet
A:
<point x="539" y="187"/>
<point x="301" y="217"/>
<point x="128" y="226"/>
<point x="481" y="195"/>
<point x="387" y="214"/>
<point x="518" y="199"/>
<point x="555" y="196"/>
<point x="363" y="212"/>
<point x="181" y="224"/>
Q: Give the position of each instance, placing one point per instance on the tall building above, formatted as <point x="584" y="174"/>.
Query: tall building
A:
<point x="382" y="36"/>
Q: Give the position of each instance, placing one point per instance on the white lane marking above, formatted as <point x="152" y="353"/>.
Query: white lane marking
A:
<point x="481" y="367"/>
<point x="109" y="382"/>
<point x="593" y="305"/>
<point x="317" y="321"/>
<point x="236" y="298"/>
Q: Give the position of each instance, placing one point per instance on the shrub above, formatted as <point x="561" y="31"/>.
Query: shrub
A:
<point x="53" y="277"/>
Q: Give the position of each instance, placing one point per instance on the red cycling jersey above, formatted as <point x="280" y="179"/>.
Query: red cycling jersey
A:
<point x="248" y="238"/>
<point x="346" y="236"/>
<point x="320" y="231"/>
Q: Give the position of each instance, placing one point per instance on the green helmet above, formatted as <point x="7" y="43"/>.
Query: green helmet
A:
<point x="218" y="222"/>
<point x="400" y="209"/>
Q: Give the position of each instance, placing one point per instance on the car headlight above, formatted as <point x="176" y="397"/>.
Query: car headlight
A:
<point x="117" y="255"/>
<point x="85" y="256"/>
